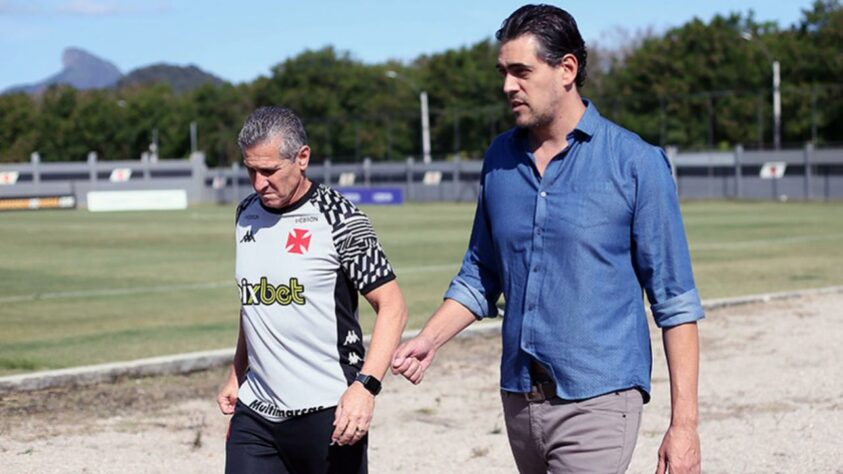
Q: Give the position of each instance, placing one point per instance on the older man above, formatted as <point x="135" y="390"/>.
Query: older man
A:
<point x="300" y="389"/>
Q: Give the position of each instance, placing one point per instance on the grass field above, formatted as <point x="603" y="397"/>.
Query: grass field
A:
<point x="81" y="288"/>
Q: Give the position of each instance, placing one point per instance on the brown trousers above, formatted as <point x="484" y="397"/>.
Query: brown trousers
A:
<point x="557" y="436"/>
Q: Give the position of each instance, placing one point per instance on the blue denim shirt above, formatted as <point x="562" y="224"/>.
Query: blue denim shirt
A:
<point x="571" y="252"/>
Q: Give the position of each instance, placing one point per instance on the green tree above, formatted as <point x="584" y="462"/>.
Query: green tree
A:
<point x="219" y="113"/>
<point x="680" y="88"/>
<point x="812" y="68"/>
<point x="96" y="126"/>
<point x="349" y="108"/>
<point x="466" y="98"/>
<point x="144" y="109"/>
<point x="18" y="127"/>
<point x="58" y="140"/>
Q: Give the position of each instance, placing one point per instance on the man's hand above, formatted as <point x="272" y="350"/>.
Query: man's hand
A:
<point x="413" y="357"/>
<point x="680" y="451"/>
<point x="353" y="415"/>
<point x="227" y="397"/>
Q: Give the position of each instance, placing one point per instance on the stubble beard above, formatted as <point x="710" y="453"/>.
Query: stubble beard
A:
<point x="540" y="119"/>
<point x="534" y="121"/>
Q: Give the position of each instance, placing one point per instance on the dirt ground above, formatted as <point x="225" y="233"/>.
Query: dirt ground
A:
<point x="771" y="400"/>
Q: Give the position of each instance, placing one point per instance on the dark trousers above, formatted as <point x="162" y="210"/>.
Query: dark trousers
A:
<point x="300" y="445"/>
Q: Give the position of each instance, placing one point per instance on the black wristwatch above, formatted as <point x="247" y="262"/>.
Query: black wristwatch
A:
<point x="371" y="384"/>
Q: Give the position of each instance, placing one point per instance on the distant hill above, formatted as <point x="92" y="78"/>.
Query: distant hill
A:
<point x="81" y="70"/>
<point x="180" y="78"/>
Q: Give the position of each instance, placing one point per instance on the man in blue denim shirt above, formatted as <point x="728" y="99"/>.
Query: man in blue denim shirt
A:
<point x="575" y="216"/>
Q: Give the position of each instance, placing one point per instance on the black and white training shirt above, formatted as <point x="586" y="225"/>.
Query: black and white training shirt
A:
<point x="298" y="272"/>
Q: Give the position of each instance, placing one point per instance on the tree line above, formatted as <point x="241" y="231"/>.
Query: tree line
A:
<point x="701" y="85"/>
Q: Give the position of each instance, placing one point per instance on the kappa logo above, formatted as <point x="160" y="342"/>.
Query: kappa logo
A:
<point x="298" y="241"/>
<point x="351" y="338"/>
<point x="248" y="237"/>
<point x="354" y="358"/>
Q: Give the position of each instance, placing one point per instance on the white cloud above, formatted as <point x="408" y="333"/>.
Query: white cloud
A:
<point x="86" y="8"/>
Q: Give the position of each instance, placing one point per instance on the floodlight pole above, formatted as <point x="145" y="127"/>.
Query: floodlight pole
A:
<point x="777" y="106"/>
<point x="193" y="140"/>
<point x="777" y="92"/>
<point x="425" y="121"/>
<point x="423" y="109"/>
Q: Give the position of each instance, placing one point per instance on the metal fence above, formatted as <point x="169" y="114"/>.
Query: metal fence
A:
<point x="77" y="179"/>
<point x="810" y="174"/>
<point x="453" y="180"/>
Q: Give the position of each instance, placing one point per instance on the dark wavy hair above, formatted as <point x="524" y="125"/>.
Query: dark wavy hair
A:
<point x="554" y="29"/>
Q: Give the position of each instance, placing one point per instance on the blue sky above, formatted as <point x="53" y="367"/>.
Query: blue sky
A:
<point x="240" y="41"/>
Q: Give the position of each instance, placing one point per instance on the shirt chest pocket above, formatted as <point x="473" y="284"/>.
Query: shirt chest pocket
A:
<point x="585" y="206"/>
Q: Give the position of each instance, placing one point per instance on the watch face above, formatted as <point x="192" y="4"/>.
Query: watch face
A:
<point x="372" y="384"/>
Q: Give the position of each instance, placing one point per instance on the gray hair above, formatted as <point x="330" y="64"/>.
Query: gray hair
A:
<point x="270" y="122"/>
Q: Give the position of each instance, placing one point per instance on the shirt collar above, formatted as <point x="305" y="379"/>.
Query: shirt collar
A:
<point x="293" y="205"/>
<point x="590" y="119"/>
<point x="587" y="125"/>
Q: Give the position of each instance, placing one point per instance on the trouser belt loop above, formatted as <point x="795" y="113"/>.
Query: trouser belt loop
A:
<point x="542" y="387"/>
<point x="540" y="392"/>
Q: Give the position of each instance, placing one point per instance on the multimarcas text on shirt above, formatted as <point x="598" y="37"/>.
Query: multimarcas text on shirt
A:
<point x="273" y="410"/>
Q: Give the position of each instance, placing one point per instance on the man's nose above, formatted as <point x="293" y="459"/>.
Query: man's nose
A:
<point x="260" y="181"/>
<point x="510" y="85"/>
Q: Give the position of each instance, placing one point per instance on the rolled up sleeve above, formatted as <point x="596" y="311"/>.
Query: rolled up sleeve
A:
<point x="477" y="286"/>
<point x="661" y="258"/>
<point x="684" y="308"/>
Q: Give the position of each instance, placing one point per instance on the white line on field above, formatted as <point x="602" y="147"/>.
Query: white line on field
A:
<point x="172" y="288"/>
<point x="113" y="292"/>
<point x="401" y="271"/>
<point x="429" y="268"/>
<point x="776" y="241"/>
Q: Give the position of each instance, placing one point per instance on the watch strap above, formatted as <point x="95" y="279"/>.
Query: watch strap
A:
<point x="369" y="382"/>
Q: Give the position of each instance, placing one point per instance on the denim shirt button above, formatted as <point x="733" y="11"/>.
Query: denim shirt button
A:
<point x="543" y="194"/>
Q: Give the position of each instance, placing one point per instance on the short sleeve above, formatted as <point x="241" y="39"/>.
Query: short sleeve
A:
<point x="360" y="253"/>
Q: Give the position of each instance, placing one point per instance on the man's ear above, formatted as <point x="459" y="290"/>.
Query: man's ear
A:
<point x="569" y="66"/>
<point x="303" y="158"/>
